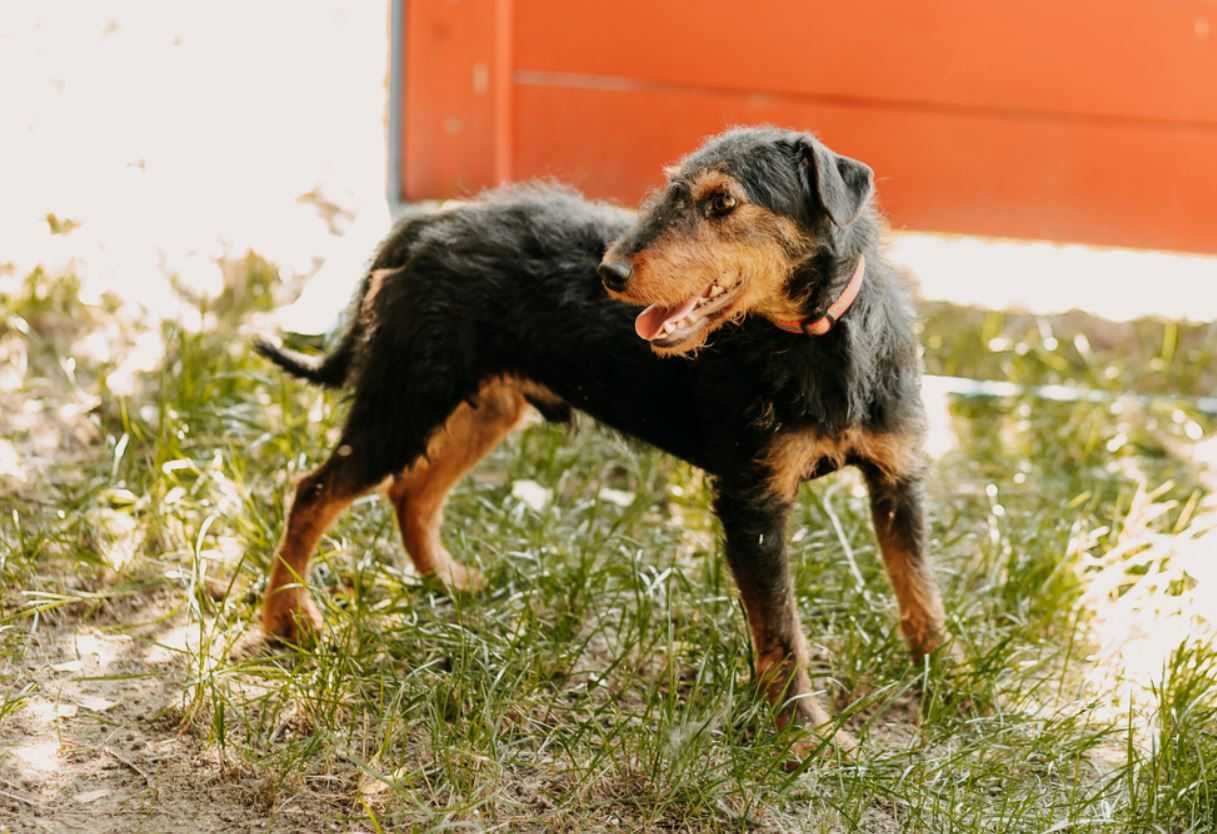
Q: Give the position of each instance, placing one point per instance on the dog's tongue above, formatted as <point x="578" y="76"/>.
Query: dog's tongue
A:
<point x="651" y="320"/>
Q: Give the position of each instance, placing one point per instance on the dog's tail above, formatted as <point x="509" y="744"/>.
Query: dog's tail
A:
<point x="329" y="371"/>
<point x="332" y="370"/>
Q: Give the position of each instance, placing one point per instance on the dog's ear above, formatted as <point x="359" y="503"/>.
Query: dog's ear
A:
<point x="842" y="185"/>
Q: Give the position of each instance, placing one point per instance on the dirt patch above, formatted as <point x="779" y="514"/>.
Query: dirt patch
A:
<point x="99" y="744"/>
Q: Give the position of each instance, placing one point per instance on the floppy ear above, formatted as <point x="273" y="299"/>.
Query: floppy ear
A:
<point x="844" y="186"/>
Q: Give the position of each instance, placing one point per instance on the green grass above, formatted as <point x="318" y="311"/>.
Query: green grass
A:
<point x="602" y="681"/>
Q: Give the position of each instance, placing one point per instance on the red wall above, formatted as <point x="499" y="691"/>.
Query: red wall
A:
<point x="1092" y="120"/>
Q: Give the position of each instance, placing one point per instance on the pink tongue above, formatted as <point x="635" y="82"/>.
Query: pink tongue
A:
<point x="651" y="320"/>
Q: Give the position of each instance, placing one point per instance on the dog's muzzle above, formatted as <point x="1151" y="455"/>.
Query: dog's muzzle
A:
<point x="614" y="274"/>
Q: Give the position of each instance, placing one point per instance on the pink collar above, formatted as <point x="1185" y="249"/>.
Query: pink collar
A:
<point x="820" y="326"/>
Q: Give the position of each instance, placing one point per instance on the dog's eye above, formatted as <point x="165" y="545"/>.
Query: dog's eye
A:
<point x="720" y="204"/>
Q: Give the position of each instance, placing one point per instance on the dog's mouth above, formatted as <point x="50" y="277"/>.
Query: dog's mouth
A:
<point x="668" y="326"/>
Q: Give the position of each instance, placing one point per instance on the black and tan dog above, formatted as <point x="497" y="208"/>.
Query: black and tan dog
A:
<point x="776" y="345"/>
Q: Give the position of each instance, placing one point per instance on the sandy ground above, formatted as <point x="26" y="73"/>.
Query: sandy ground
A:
<point x="101" y="747"/>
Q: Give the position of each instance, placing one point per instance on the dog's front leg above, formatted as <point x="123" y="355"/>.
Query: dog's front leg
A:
<point x="754" y="521"/>
<point x="898" y="511"/>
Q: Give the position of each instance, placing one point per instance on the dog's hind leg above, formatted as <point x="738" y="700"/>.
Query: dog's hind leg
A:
<point x="419" y="493"/>
<point x="898" y="512"/>
<point x="392" y="418"/>
<point x="288" y="612"/>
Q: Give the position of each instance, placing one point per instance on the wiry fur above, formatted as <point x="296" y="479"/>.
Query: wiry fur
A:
<point x="504" y="291"/>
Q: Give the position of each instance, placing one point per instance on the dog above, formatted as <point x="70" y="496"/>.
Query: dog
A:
<point x="775" y="345"/>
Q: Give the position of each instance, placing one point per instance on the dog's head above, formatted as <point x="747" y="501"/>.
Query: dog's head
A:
<point x="737" y="231"/>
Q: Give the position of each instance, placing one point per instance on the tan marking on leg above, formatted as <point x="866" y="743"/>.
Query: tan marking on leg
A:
<point x="288" y="611"/>
<point x="792" y="455"/>
<point x="899" y="516"/>
<point x="420" y="492"/>
<point x="781" y="671"/>
<point x="535" y="391"/>
<point x="783" y="677"/>
<point x="895" y="456"/>
<point x="922" y="618"/>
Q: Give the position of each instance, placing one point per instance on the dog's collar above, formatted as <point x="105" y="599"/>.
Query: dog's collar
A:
<point x="822" y="324"/>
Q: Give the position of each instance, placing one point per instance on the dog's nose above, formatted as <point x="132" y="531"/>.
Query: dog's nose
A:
<point x="615" y="274"/>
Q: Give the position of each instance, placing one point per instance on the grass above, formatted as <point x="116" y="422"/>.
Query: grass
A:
<point x="603" y="682"/>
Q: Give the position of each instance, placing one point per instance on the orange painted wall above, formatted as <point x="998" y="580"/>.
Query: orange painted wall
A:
<point x="1089" y="120"/>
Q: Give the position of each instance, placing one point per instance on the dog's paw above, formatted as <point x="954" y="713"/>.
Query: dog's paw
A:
<point x="945" y="660"/>
<point x="291" y="619"/>
<point x="458" y="577"/>
<point x="825" y="742"/>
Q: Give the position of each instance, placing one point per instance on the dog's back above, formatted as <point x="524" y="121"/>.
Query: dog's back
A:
<point x="521" y="233"/>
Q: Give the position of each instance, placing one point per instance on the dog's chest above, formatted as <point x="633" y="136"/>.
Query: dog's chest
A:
<point x="795" y="456"/>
